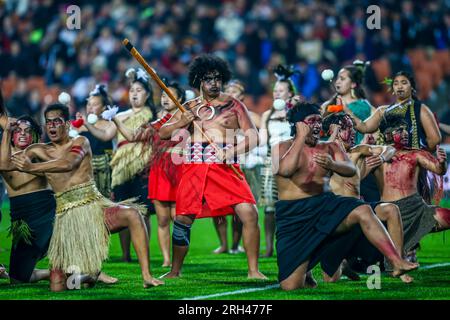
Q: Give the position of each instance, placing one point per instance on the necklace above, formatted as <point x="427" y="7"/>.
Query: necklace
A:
<point x="208" y="105"/>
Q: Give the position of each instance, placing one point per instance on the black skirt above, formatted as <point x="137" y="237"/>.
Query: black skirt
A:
<point x="305" y="230"/>
<point x="37" y="211"/>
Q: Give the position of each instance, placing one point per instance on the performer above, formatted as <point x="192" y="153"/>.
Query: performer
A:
<point x="101" y="147"/>
<point x="350" y="92"/>
<point x="129" y="160"/>
<point x="209" y="187"/>
<point x="164" y="174"/>
<point x="251" y="169"/>
<point x="398" y="182"/>
<point x="421" y="121"/>
<point x="32" y="204"/>
<point x="422" y="125"/>
<point x="84" y="218"/>
<point x="308" y="218"/>
<point x="274" y="128"/>
<point x="339" y="127"/>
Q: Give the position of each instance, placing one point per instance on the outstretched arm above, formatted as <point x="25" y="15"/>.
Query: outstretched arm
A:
<point x="66" y="163"/>
<point x="105" y="133"/>
<point x="371" y="124"/>
<point x="437" y="165"/>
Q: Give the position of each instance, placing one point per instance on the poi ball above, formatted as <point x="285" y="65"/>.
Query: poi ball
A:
<point x="189" y="95"/>
<point x="92" y="118"/>
<point x="327" y="74"/>
<point x="279" y="104"/>
<point x="73" y="133"/>
<point x="64" y="98"/>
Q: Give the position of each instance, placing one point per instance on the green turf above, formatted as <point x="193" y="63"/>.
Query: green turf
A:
<point x="205" y="274"/>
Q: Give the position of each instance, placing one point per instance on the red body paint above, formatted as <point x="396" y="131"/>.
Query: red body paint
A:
<point x="400" y="174"/>
<point x="444" y="215"/>
<point x="387" y="248"/>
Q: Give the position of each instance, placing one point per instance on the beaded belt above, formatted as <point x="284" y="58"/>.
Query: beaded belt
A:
<point x="76" y="196"/>
<point x="205" y="153"/>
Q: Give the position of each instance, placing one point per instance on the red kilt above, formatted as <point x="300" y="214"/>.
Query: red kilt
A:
<point x="210" y="190"/>
<point x="164" y="179"/>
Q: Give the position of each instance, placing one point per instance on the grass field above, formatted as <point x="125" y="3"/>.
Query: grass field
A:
<point x="209" y="276"/>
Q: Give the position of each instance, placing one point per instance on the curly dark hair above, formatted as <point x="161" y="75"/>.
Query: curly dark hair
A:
<point x="333" y="118"/>
<point x="204" y="64"/>
<point x="392" y="121"/>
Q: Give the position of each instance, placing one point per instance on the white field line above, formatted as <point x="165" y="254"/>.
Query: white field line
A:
<point x="273" y="286"/>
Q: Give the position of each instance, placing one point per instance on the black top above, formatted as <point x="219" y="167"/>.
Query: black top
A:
<point x="98" y="146"/>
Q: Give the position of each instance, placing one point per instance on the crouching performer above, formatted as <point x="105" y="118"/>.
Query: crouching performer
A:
<point x="309" y="218"/>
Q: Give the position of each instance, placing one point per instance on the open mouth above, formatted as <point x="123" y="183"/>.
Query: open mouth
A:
<point x="52" y="133"/>
<point x="316" y="131"/>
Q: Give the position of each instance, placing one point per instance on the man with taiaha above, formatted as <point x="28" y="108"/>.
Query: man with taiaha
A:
<point x="208" y="186"/>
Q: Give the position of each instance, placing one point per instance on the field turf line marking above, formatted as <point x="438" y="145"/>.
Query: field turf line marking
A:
<point x="229" y="293"/>
<point x="273" y="286"/>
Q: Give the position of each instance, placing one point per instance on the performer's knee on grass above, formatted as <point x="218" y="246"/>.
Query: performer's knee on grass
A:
<point x="181" y="234"/>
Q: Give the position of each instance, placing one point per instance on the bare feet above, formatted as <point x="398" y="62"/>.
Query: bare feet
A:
<point x="349" y="272"/>
<point x="104" y="278"/>
<point x="126" y="259"/>
<point x="152" y="282"/>
<point x="403" y="267"/>
<point x="310" y="282"/>
<point x="3" y="273"/>
<point x="256" y="275"/>
<point x="406" y="278"/>
<point x="170" y="275"/>
<point x="220" y="250"/>
<point x="166" y="264"/>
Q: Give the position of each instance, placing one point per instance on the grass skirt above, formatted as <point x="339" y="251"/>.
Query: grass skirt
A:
<point x="80" y="238"/>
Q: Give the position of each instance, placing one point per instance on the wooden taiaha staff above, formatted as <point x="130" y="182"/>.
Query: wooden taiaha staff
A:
<point x="162" y="85"/>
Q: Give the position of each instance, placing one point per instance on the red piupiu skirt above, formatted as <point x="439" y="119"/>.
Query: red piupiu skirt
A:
<point x="210" y="190"/>
<point x="164" y="179"/>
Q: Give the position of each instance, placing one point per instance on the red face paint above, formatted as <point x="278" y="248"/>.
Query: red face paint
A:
<point x="22" y="136"/>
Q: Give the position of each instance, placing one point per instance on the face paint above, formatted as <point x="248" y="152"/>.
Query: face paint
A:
<point x="23" y="135"/>
<point x="347" y="132"/>
<point x="55" y="126"/>
<point x="314" y="122"/>
<point x="400" y="137"/>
